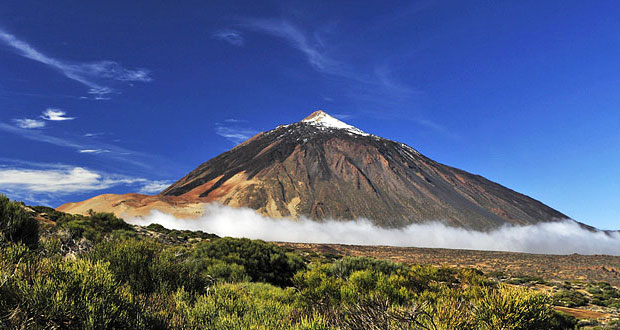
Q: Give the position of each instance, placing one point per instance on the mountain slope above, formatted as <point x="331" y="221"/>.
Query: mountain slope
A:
<point x="323" y="168"/>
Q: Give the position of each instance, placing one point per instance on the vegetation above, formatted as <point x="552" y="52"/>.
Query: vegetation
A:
<point x="97" y="272"/>
<point x="180" y="234"/>
<point x="16" y="225"/>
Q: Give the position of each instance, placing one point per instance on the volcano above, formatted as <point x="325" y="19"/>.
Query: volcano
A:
<point x="323" y="168"/>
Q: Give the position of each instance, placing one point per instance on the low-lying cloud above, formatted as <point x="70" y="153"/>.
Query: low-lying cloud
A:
<point x="564" y="237"/>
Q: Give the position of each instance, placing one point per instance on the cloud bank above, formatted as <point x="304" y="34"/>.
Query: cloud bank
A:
<point x="564" y="237"/>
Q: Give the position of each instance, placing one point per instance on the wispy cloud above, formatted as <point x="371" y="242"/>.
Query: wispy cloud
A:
<point x="27" y="123"/>
<point x="42" y="181"/>
<point x="232" y="120"/>
<point x="314" y="51"/>
<point x="41" y="137"/>
<point x="91" y="146"/>
<point x="154" y="187"/>
<point x="371" y="86"/>
<point x="92" y="151"/>
<point x="93" y="75"/>
<point x="342" y="116"/>
<point x="235" y="134"/>
<point x="55" y="115"/>
<point x="233" y="37"/>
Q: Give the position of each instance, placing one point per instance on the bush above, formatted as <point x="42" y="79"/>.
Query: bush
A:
<point x="67" y="294"/>
<point x="562" y="321"/>
<point x="180" y="233"/>
<point x="569" y="298"/>
<point x="346" y="266"/>
<point x="242" y="306"/>
<point x="513" y="308"/>
<point x="148" y="266"/>
<point x="131" y="261"/>
<point x="16" y="224"/>
<point x="263" y="262"/>
<point x="93" y="227"/>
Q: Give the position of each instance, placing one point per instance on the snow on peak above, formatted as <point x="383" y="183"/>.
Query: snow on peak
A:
<point x="322" y="119"/>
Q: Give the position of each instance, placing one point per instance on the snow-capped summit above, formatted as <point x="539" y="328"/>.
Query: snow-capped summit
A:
<point x="321" y="118"/>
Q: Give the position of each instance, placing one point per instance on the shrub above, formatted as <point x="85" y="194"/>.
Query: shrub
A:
<point x="93" y="227"/>
<point x="513" y="308"/>
<point x="345" y="266"/>
<point x="562" y="321"/>
<point x="180" y="233"/>
<point x="147" y="266"/>
<point x="569" y="298"/>
<point x="263" y="262"/>
<point x="16" y="224"/>
<point x="68" y="294"/>
<point x="242" y="306"/>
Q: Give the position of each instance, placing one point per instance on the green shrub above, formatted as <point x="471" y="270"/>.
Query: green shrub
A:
<point x="93" y="227"/>
<point x="529" y="280"/>
<point x="67" y="294"/>
<point x="346" y="266"/>
<point x="180" y="233"/>
<point x="513" y="308"/>
<point x="562" y="321"/>
<point x="130" y="261"/>
<point x="217" y="270"/>
<point x="242" y="306"/>
<point x="569" y="298"/>
<point x="147" y="266"/>
<point x="16" y="224"/>
<point x="51" y="213"/>
<point x="263" y="262"/>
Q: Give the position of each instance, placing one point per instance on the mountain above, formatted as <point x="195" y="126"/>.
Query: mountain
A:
<point x="324" y="168"/>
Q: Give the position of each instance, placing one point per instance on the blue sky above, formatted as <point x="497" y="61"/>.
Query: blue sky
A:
<point x="127" y="96"/>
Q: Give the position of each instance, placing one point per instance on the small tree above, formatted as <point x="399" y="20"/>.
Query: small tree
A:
<point x="16" y="224"/>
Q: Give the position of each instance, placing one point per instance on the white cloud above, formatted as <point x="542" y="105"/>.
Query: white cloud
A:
<point x="154" y="187"/>
<point x="314" y="51"/>
<point x="92" y="151"/>
<point x="82" y="143"/>
<point x="59" y="180"/>
<point x="375" y="89"/>
<point x="231" y="36"/>
<point x="88" y="74"/>
<point x="234" y="134"/>
<point x="29" y="123"/>
<point x="563" y="237"/>
<point x="55" y="115"/>
<point x="235" y="121"/>
<point x="41" y="182"/>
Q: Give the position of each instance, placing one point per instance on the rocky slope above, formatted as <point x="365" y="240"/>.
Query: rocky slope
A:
<point x="323" y="168"/>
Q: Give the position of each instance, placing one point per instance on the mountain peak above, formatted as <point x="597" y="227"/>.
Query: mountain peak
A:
<point x="322" y="119"/>
<point x="322" y="168"/>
